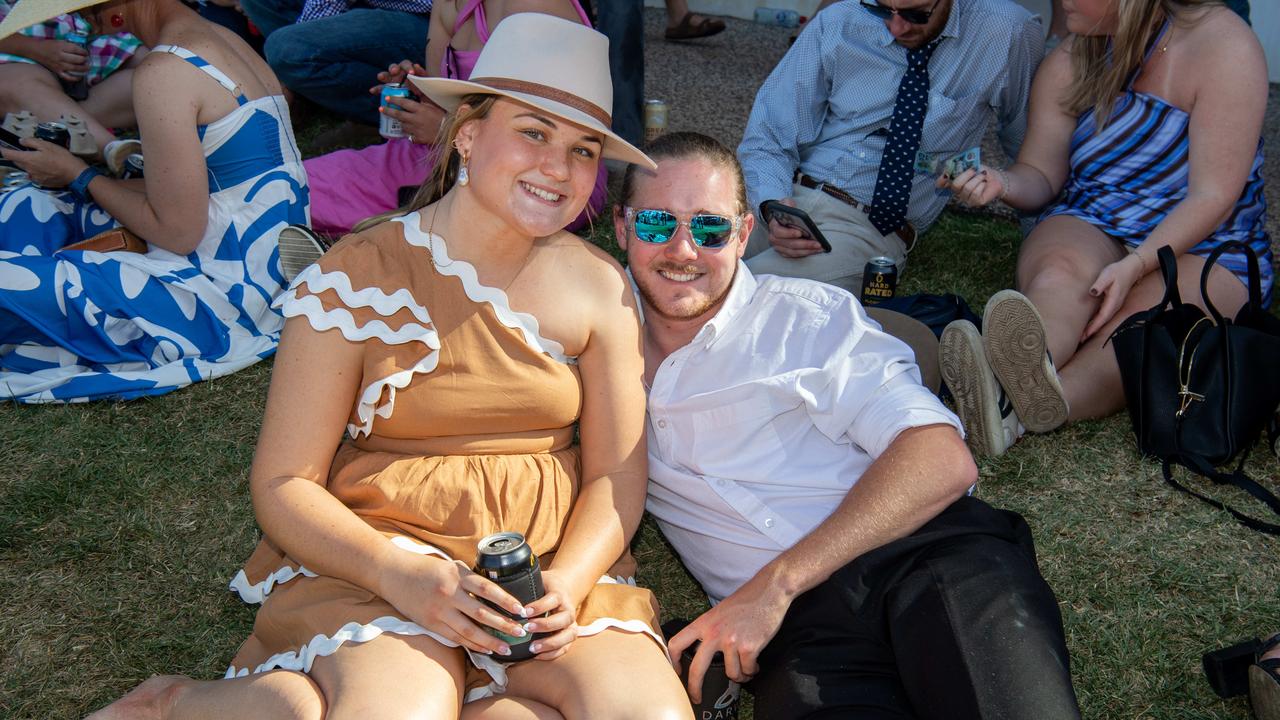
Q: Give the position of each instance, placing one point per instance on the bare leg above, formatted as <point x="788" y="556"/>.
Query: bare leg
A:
<point x="110" y="102"/>
<point x="1057" y="264"/>
<point x="599" y="678"/>
<point x="508" y="708"/>
<point x="361" y="681"/>
<point x="24" y="86"/>
<point x="1091" y="380"/>
<point x="278" y="694"/>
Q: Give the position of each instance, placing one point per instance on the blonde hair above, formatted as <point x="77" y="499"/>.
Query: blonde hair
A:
<point x="445" y="159"/>
<point x="1101" y="65"/>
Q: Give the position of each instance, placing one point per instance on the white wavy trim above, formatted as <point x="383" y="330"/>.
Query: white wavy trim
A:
<point x="321" y="319"/>
<point x="371" y="297"/>
<point x="479" y="293"/>
<point x="366" y="410"/>
<point x="255" y="593"/>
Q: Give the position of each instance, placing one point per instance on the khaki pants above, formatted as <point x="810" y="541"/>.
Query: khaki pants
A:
<point x="854" y="241"/>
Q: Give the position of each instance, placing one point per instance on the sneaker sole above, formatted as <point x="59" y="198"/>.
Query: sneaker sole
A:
<point x="964" y="368"/>
<point x="1264" y="694"/>
<point x="298" y="250"/>
<point x="1017" y="351"/>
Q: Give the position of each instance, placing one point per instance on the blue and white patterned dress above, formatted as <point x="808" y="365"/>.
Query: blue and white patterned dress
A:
<point x="83" y="325"/>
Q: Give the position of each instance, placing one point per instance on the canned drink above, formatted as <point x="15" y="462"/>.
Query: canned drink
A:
<point x="54" y="132"/>
<point x="389" y="127"/>
<point x="133" y="166"/>
<point x="77" y="89"/>
<point x="655" y="119"/>
<point x="720" y="695"/>
<point x="879" y="280"/>
<point x="507" y="560"/>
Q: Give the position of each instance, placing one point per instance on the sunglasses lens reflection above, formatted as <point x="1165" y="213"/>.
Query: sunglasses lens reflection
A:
<point x="655" y="226"/>
<point x="658" y="226"/>
<point x="710" y="230"/>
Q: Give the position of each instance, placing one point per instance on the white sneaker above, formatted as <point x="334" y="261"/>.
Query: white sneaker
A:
<point x="299" y="247"/>
<point x="990" y="424"/>
<point x="1019" y="355"/>
<point x="117" y="151"/>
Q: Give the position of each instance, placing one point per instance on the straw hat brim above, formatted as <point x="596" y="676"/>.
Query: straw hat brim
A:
<point x="448" y="94"/>
<point x="26" y="13"/>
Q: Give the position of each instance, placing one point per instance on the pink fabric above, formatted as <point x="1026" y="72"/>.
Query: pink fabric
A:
<point x="348" y="186"/>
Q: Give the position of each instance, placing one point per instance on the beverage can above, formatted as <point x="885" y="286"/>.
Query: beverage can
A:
<point x="775" y="16"/>
<point x="389" y="127"/>
<point x="507" y="560"/>
<point x="720" y="695"/>
<point x="655" y="119"/>
<point x="77" y="89"/>
<point x="54" y="132"/>
<point x="133" y="166"/>
<point x="879" y="280"/>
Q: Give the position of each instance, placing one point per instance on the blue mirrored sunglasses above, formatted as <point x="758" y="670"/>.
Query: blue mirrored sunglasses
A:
<point x="659" y="226"/>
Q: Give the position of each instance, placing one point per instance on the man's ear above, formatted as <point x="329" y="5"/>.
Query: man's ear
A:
<point x="744" y="233"/>
<point x="620" y="233"/>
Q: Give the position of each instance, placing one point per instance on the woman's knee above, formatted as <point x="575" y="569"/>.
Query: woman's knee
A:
<point x="19" y="81"/>
<point x="296" y="696"/>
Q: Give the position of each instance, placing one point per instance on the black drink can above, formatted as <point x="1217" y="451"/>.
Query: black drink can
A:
<point x="54" y="132"/>
<point x="507" y="560"/>
<point x="133" y="166"/>
<point x="879" y="280"/>
<point x="720" y="695"/>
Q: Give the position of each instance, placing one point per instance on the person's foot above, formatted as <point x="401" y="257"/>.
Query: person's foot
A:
<point x="693" y="26"/>
<point x="151" y="700"/>
<point x="990" y="423"/>
<point x="1264" y="681"/>
<point x="1016" y="348"/>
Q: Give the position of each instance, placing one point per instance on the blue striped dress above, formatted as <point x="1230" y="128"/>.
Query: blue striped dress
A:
<point x="82" y="325"/>
<point x="1126" y="179"/>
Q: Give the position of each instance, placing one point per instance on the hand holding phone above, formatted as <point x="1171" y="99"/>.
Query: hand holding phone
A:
<point x="794" y="217"/>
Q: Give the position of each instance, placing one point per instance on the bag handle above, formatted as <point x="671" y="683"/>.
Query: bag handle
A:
<point x="1169" y="270"/>
<point x="1255" y="277"/>
<point x="1237" y="479"/>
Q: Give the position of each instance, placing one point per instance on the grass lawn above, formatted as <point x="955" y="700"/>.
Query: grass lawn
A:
<point x="120" y="525"/>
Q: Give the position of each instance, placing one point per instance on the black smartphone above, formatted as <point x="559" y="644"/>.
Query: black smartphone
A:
<point x="9" y="140"/>
<point x="795" y="218"/>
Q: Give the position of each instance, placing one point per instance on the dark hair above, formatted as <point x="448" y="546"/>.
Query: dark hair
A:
<point x="682" y="146"/>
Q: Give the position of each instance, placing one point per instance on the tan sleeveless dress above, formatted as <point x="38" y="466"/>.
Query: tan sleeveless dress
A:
<point x="463" y="427"/>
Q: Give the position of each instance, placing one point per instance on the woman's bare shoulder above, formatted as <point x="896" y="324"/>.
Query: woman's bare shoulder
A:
<point x="575" y="257"/>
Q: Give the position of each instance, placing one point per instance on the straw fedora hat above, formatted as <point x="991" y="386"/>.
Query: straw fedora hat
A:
<point x="26" y="13"/>
<point x="555" y="65"/>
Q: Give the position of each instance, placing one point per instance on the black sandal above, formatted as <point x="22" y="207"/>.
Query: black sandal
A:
<point x="1264" y="682"/>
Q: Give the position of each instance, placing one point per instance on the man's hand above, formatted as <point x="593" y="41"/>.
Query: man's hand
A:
<point x="739" y="627"/>
<point x="791" y="242"/>
<point x="65" y="59"/>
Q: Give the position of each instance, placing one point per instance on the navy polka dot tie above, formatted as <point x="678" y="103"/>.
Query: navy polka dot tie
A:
<point x="893" y="183"/>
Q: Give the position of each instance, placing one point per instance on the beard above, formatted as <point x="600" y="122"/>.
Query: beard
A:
<point x="684" y="308"/>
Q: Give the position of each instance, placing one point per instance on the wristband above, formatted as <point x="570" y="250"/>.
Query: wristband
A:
<point x="80" y="186"/>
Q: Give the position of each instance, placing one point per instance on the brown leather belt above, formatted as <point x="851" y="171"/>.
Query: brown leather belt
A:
<point x="906" y="233"/>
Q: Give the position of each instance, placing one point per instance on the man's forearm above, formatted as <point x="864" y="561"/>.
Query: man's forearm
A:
<point x="922" y="471"/>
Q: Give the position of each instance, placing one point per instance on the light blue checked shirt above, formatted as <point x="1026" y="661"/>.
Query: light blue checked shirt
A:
<point x="825" y="109"/>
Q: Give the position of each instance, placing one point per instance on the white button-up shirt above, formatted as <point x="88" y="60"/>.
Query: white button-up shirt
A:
<point x="759" y="427"/>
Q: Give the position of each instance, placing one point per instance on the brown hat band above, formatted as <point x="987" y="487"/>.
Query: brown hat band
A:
<point x="548" y="92"/>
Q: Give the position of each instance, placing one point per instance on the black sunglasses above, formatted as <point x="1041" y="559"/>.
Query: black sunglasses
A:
<point x="911" y="15"/>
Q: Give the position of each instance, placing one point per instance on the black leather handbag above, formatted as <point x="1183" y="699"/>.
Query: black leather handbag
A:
<point x="1201" y="388"/>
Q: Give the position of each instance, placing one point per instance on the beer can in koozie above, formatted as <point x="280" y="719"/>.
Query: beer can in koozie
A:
<point x="720" y="695"/>
<point x="54" y="132"/>
<point x="133" y="166"/>
<point x="78" y="88"/>
<point x="655" y="119"/>
<point x="388" y="126"/>
<point x="879" y="280"/>
<point x="507" y="560"/>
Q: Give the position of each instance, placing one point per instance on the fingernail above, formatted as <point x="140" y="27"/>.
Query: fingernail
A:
<point x="504" y="650"/>
<point x="1093" y="292"/>
<point x="535" y="647"/>
<point x="519" y="631"/>
<point x="530" y="627"/>
<point x="523" y="612"/>
<point x="526" y="612"/>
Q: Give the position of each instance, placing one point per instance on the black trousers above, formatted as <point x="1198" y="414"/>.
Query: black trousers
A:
<point x="953" y="621"/>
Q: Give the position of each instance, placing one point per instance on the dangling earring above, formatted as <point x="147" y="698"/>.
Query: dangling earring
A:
<point x="464" y="178"/>
<point x="117" y="20"/>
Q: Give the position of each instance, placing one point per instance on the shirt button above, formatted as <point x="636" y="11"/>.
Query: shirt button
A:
<point x="662" y="423"/>
<point x="768" y="522"/>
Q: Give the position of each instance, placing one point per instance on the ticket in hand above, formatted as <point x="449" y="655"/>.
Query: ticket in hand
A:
<point x="970" y="159"/>
<point x="926" y="162"/>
